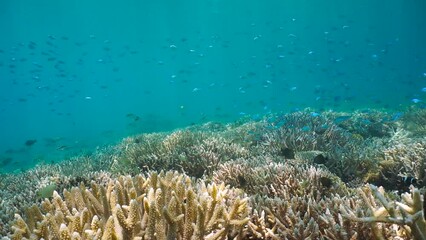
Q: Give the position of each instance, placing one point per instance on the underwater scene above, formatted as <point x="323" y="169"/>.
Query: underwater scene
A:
<point x="213" y="119"/>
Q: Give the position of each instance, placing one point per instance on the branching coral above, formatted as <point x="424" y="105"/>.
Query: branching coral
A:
<point x="160" y="206"/>
<point x="414" y="120"/>
<point x="347" y="153"/>
<point x="408" y="159"/>
<point x="20" y="191"/>
<point x="301" y="217"/>
<point x="408" y="214"/>
<point x="303" y="207"/>
<point x="292" y="201"/>
<point x="368" y="124"/>
<point x="400" y="157"/>
<point x="262" y="175"/>
<point x="195" y="153"/>
<point x="291" y="166"/>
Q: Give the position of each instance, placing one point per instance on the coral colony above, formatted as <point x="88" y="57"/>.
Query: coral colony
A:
<point x="300" y="175"/>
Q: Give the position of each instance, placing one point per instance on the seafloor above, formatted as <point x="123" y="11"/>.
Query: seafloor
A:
<point x="301" y="175"/>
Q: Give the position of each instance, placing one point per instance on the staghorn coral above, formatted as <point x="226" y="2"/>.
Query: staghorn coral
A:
<point x="292" y="200"/>
<point x="368" y="124"/>
<point x="300" y="131"/>
<point x="350" y="150"/>
<point x="195" y="153"/>
<point x="301" y="217"/>
<point x="407" y="215"/>
<point x="261" y="175"/>
<point x="400" y="156"/>
<point x="20" y="191"/>
<point x="407" y="159"/>
<point x="160" y="206"/>
<point x="347" y="153"/>
<point x="414" y="120"/>
<point x="303" y="203"/>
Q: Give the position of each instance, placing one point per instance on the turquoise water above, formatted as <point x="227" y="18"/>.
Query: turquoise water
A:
<point x="80" y="74"/>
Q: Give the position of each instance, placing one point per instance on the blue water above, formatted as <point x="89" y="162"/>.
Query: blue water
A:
<point x="79" y="74"/>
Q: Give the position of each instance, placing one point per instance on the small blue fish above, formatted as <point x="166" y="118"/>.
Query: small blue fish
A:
<point x="280" y="124"/>
<point x="270" y="127"/>
<point x="424" y="89"/>
<point x="271" y="120"/>
<point x="341" y="119"/>
<point x="306" y="128"/>
<point x="256" y="117"/>
<point x="416" y="100"/>
<point x="396" y="116"/>
<point x="366" y="121"/>
<point x="314" y="114"/>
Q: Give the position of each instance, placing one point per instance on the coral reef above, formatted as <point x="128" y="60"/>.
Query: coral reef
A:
<point x="159" y="206"/>
<point x="350" y="144"/>
<point x="300" y="175"/>
<point x="306" y="132"/>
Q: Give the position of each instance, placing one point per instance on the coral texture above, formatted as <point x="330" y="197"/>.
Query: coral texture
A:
<point x="160" y="206"/>
<point x="408" y="214"/>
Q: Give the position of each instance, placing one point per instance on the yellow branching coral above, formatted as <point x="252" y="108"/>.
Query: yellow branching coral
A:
<point x="159" y="206"/>
<point x="408" y="214"/>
